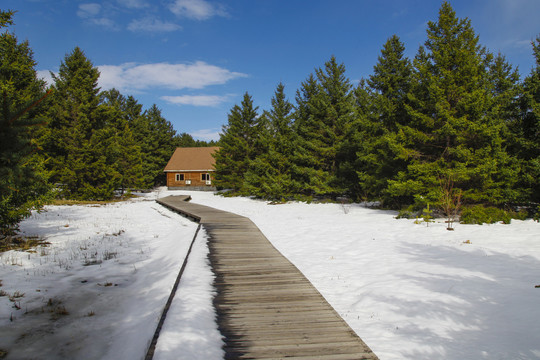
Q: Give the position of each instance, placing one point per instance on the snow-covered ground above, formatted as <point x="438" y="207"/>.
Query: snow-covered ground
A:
<point x="411" y="291"/>
<point x="98" y="290"/>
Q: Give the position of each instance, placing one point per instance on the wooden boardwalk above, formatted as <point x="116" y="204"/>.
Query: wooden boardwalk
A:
<point x="266" y="308"/>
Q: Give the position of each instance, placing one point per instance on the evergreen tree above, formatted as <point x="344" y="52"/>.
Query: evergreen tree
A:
<point x="382" y="104"/>
<point x="6" y="18"/>
<point x="240" y="144"/>
<point x="453" y="134"/>
<point x="147" y="135"/>
<point x="157" y="139"/>
<point x="529" y="128"/>
<point x="269" y="174"/>
<point x="323" y="120"/>
<point x="186" y="140"/>
<point x="123" y="152"/>
<point x="22" y="184"/>
<point x="75" y="138"/>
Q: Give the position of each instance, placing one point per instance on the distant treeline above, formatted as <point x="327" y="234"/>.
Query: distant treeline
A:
<point x="72" y="140"/>
<point x="453" y="126"/>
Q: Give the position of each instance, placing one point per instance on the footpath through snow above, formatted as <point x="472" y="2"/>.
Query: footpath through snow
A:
<point x="410" y="291"/>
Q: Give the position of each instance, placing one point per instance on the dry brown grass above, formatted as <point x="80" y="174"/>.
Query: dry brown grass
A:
<point x="70" y="202"/>
<point x="28" y="243"/>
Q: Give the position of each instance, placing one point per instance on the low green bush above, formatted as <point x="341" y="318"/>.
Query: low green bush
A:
<point x="480" y="214"/>
<point x="407" y="213"/>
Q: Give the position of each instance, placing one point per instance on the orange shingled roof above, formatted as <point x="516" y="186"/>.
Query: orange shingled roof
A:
<point x="192" y="159"/>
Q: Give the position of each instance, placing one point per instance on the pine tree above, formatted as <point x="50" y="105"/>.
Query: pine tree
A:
<point x="452" y="133"/>
<point x="382" y="103"/>
<point x="529" y="128"/>
<point x="75" y="137"/>
<point x="185" y="140"/>
<point x="150" y="132"/>
<point x="157" y="139"/>
<point x="22" y="184"/>
<point x="323" y="120"/>
<point x="123" y="151"/>
<point x="239" y="144"/>
<point x="269" y="174"/>
<point x="6" y="18"/>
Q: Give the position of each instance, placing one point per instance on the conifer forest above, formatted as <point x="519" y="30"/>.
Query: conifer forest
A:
<point x="455" y="129"/>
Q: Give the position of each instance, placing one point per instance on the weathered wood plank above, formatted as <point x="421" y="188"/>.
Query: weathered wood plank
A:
<point x="266" y="308"/>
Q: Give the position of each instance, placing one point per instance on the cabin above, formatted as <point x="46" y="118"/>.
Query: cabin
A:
<point x="191" y="168"/>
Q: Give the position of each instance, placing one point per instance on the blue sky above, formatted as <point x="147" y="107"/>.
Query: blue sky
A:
<point x="196" y="58"/>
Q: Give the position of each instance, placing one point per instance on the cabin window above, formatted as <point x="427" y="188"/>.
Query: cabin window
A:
<point x="205" y="177"/>
<point x="179" y="177"/>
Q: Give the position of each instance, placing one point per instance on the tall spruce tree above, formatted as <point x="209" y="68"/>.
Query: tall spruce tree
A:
<point x="239" y="144"/>
<point x="77" y="139"/>
<point x="453" y="135"/>
<point x="269" y="174"/>
<point x="530" y="128"/>
<point x="123" y="152"/>
<point x="147" y="135"/>
<point x="323" y="120"/>
<point x="22" y="185"/>
<point x="157" y="139"/>
<point x="382" y="105"/>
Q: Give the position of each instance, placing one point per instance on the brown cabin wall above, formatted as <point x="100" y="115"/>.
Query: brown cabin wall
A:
<point x="194" y="176"/>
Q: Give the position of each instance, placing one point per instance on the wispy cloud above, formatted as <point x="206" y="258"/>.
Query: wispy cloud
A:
<point x="104" y="22"/>
<point x="206" y="134"/>
<point x="197" y="9"/>
<point x="92" y="14"/>
<point x="196" y="100"/>
<point x="152" y="25"/>
<point x="132" y="76"/>
<point x="89" y="10"/>
<point x="134" y="4"/>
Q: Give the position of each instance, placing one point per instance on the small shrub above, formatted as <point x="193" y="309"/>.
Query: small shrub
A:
<point x="427" y="215"/>
<point x="406" y="213"/>
<point x="479" y="214"/>
<point x="61" y="310"/>
<point x="520" y="215"/>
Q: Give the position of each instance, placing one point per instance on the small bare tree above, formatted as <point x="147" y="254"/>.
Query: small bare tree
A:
<point x="450" y="200"/>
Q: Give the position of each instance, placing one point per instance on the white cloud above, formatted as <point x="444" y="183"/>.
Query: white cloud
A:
<point x="132" y="76"/>
<point x="196" y="100"/>
<point x="88" y="10"/>
<point x="45" y="75"/>
<point x="105" y="22"/>
<point x="91" y="13"/>
<point x="206" y="134"/>
<point x="152" y="25"/>
<point x="197" y="9"/>
<point x="133" y="4"/>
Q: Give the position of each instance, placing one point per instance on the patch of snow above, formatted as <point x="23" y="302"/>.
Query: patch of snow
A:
<point x="198" y="336"/>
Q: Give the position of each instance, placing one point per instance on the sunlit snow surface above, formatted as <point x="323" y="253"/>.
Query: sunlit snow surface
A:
<point x="411" y="291"/>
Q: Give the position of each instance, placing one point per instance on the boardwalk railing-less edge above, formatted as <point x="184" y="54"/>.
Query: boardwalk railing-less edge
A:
<point x="266" y="307"/>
